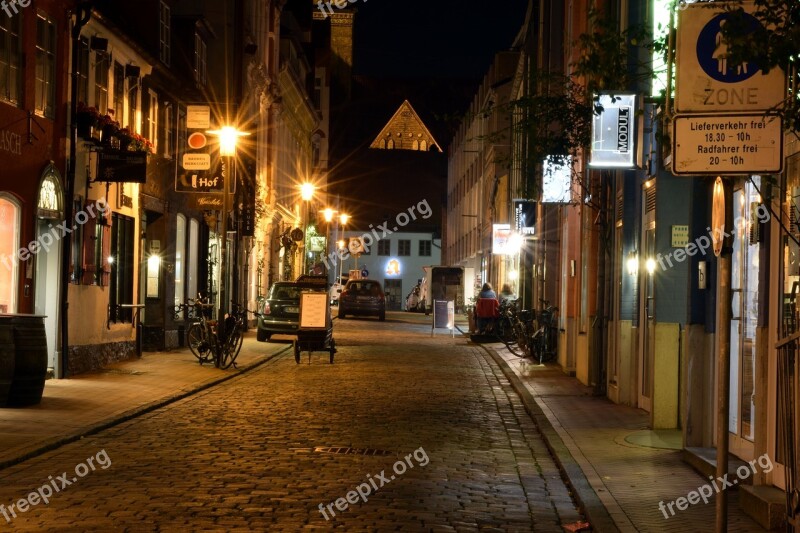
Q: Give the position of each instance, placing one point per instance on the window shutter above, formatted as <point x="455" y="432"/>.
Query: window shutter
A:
<point x="106" y="266"/>
<point x="88" y="258"/>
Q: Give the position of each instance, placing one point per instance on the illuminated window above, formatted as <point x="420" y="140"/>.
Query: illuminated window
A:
<point x="423" y="145"/>
<point x="101" y="67"/>
<point x="415" y="145"/>
<point x="390" y="144"/>
<point x="9" y="244"/>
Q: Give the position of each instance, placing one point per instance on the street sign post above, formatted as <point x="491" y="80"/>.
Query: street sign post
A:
<point x="705" y="80"/>
<point x="727" y="144"/>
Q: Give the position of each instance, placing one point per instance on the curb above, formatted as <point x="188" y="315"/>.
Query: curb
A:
<point x="596" y="513"/>
<point x="58" y="442"/>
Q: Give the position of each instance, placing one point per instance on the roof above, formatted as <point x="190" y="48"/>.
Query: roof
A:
<point x="405" y="131"/>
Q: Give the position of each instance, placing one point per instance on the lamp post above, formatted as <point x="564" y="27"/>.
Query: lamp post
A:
<point x="327" y="213"/>
<point x="228" y="138"/>
<point x="343" y="218"/>
<point x="306" y="193"/>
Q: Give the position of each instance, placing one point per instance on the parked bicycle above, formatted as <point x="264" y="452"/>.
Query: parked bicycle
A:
<point x="544" y="340"/>
<point x="207" y="341"/>
<point x="514" y="328"/>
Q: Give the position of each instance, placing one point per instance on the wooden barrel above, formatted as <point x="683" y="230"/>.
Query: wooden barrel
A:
<point x="30" y="368"/>
<point x="6" y="357"/>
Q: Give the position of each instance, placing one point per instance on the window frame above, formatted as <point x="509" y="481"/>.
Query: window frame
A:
<point x="11" y="87"/>
<point x="425" y="246"/>
<point x="16" y="206"/>
<point x="385" y="247"/>
<point x="404" y="247"/>
<point x="45" y="66"/>
<point x="164" y="33"/>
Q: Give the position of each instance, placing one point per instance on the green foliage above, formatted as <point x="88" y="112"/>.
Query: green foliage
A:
<point x="775" y="44"/>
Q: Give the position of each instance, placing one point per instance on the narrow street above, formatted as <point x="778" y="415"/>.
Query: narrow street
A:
<point x="437" y="441"/>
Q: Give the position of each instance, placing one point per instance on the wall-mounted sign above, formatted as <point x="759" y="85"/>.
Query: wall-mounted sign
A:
<point x="118" y="166"/>
<point x="206" y="202"/>
<point x="316" y="243"/>
<point x="613" y="132"/>
<point x="680" y="235"/>
<point x="525" y="217"/>
<point x="196" y="170"/>
<point x="198" y="117"/>
<point x="10" y="142"/>
<point x="501" y="237"/>
<point x="356" y="245"/>
<point x="393" y="267"/>
<point x="557" y="180"/>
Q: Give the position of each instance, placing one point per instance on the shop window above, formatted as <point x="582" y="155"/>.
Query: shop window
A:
<point x="180" y="251"/>
<point x="191" y="263"/>
<point x="9" y="244"/>
<point x="45" y="93"/>
<point x="10" y="59"/>
<point x="121" y="275"/>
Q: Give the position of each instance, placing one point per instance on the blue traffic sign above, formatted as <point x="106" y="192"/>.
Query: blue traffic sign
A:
<point x="364" y="273"/>
<point x="712" y="51"/>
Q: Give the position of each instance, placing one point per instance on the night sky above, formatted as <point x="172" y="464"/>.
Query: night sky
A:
<point x="435" y="38"/>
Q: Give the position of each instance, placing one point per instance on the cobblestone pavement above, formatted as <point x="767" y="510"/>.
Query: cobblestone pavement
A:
<point x="241" y="455"/>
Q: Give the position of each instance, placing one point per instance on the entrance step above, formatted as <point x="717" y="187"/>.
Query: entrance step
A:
<point x="766" y="505"/>
<point x="704" y="462"/>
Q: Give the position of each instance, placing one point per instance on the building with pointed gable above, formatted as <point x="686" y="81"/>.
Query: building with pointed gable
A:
<point x="406" y="131"/>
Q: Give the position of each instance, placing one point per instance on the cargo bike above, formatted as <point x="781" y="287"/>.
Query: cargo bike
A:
<point x="315" y="329"/>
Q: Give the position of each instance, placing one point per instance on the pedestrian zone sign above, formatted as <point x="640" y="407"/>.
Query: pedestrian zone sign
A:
<point x="706" y="80"/>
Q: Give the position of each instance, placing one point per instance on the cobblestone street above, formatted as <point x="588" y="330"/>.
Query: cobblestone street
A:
<point x="451" y="449"/>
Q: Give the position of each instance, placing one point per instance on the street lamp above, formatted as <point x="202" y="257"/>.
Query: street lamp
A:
<point x="306" y="193"/>
<point x="228" y="139"/>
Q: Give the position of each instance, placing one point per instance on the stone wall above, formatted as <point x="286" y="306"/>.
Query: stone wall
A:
<point x="91" y="357"/>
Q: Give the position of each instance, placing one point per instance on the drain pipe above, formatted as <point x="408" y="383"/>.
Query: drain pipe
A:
<point x="82" y="15"/>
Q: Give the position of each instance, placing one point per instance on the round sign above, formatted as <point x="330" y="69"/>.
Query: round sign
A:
<point x="712" y="51"/>
<point x="297" y="234"/>
<point x="197" y="140"/>
<point x="718" y="216"/>
<point x="364" y="273"/>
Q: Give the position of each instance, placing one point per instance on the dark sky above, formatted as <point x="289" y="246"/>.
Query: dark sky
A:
<point x="434" y="38"/>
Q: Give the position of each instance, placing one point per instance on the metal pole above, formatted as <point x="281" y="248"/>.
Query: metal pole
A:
<point x="223" y="270"/>
<point x="723" y="364"/>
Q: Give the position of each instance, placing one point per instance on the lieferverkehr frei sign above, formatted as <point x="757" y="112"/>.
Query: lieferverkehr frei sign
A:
<point x="706" y="81"/>
<point x="727" y="144"/>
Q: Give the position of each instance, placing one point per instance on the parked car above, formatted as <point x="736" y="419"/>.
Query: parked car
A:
<point x="336" y="290"/>
<point x="362" y="297"/>
<point x="279" y="312"/>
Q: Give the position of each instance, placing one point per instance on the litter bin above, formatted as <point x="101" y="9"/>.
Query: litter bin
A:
<point x="23" y="360"/>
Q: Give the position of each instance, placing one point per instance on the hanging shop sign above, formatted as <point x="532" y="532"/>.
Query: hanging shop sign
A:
<point x="119" y="166"/>
<point x="614" y="132"/>
<point x="197" y="172"/>
<point x="525" y="217"/>
<point x="557" y="179"/>
<point x="501" y="239"/>
<point x="706" y="80"/>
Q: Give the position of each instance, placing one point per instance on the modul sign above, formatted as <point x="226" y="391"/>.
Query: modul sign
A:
<point x="613" y="132"/>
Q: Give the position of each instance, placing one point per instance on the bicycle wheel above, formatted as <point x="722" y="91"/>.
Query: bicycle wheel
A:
<point x="231" y="348"/>
<point x="198" y="343"/>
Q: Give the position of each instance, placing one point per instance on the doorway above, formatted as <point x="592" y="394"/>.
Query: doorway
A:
<point x="49" y="211"/>
<point x="393" y="288"/>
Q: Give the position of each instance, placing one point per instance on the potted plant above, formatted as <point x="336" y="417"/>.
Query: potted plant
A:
<point x="86" y="120"/>
<point x="108" y="126"/>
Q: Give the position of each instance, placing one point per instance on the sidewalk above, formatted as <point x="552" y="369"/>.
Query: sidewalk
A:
<point x="85" y="404"/>
<point x="619" y="469"/>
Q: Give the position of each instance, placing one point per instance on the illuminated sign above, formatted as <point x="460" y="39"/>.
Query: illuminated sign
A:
<point x="525" y="217"/>
<point x="393" y="267"/>
<point x="613" y="132"/>
<point x="501" y="237"/>
<point x="557" y="179"/>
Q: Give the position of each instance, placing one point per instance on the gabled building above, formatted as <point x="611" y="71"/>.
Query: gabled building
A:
<point x="405" y="131"/>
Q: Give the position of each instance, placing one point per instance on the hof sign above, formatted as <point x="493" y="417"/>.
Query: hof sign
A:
<point x="706" y="81"/>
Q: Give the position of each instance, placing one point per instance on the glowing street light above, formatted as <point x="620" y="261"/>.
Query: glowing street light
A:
<point x="228" y="139"/>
